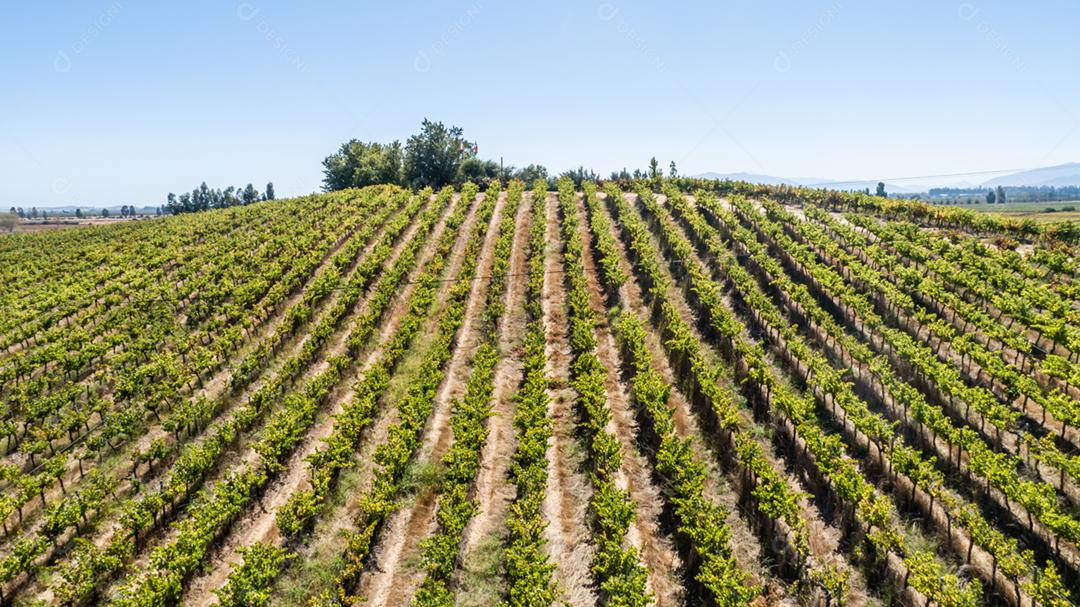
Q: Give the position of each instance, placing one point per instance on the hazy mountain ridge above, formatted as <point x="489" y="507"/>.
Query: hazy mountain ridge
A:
<point x="1061" y="175"/>
<point x="1067" y="174"/>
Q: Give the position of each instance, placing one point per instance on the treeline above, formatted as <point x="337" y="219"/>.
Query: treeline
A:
<point x="435" y="157"/>
<point x="438" y="156"/>
<point x="1001" y="194"/>
<point x="33" y="213"/>
<point x="43" y="214"/>
<point x="204" y="198"/>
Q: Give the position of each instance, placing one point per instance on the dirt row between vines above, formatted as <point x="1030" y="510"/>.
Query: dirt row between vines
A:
<point x="87" y="308"/>
<point x="169" y="269"/>
<point x="826" y="542"/>
<point x="955" y="538"/>
<point x="656" y="548"/>
<point x="242" y="452"/>
<point x="569" y="491"/>
<point x="216" y="388"/>
<point x="862" y="587"/>
<point x="973" y="370"/>
<point x="212" y="387"/>
<point x="398" y="574"/>
<point x="258" y="524"/>
<point x="86" y="376"/>
<point x="483" y="538"/>
<point x="745" y="545"/>
<point x="314" y="569"/>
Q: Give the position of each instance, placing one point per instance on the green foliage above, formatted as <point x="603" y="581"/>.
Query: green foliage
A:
<point x="248" y="584"/>
<point x="434" y="156"/>
<point x="357" y="164"/>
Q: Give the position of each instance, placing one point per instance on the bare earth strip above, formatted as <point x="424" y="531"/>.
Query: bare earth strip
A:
<point x="483" y="537"/>
<point x="397" y="577"/>
<point x="259" y="525"/>
<point x="744" y="543"/>
<point x="216" y="388"/>
<point x="656" y="548"/>
<point x="567" y="500"/>
<point x="825" y="540"/>
<point x="244" y="453"/>
<point x="314" y="572"/>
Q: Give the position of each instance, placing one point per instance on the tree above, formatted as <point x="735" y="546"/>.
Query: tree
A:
<point x="249" y="195"/>
<point x="33" y="212"/>
<point x="22" y="213"/>
<point x="78" y="213"/>
<point x="478" y="171"/>
<point x="8" y="221"/>
<point x="203" y="199"/>
<point x="580" y="175"/>
<point x="881" y="190"/>
<point x="531" y="173"/>
<point x="105" y="213"/>
<point x="1000" y="195"/>
<point x="357" y="164"/>
<point x="991" y="197"/>
<point x="654" y="168"/>
<point x="269" y="194"/>
<point x="432" y="156"/>
<point x="171" y="204"/>
<point x="674" y="172"/>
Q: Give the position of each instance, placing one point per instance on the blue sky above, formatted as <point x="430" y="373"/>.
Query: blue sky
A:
<point x="118" y="101"/>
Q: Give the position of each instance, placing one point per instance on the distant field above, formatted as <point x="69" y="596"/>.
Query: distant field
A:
<point x="1025" y="207"/>
<point x="1066" y="210"/>
<point x="1043" y="216"/>
<point x="60" y="224"/>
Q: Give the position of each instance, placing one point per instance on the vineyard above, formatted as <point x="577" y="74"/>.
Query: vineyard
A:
<point x="665" y="392"/>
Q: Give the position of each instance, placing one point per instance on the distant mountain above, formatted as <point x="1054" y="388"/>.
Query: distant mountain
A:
<point x="1060" y="175"/>
<point x="758" y="178"/>
<point x="805" y="181"/>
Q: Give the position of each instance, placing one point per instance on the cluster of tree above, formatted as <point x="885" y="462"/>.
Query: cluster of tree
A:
<point x="439" y="155"/>
<point x="33" y="213"/>
<point x="203" y="198"/>
<point x="653" y="172"/>
<point x="878" y="191"/>
<point x="435" y="157"/>
<point x="1001" y="195"/>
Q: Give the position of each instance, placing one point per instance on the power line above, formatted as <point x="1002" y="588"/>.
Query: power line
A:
<point x="973" y="173"/>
